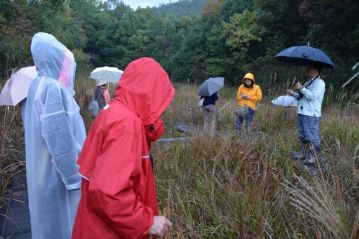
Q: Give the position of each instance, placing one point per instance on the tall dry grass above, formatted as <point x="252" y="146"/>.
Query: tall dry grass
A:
<point x="240" y="186"/>
<point x="11" y="151"/>
<point x="237" y="185"/>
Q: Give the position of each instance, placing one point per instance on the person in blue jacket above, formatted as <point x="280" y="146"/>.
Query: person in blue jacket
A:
<point x="310" y="98"/>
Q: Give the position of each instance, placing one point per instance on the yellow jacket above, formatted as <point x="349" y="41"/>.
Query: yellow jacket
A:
<point x="254" y="93"/>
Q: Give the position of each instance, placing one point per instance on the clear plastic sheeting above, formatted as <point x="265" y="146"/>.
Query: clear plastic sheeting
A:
<point x="54" y="134"/>
<point x="53" y="60"/>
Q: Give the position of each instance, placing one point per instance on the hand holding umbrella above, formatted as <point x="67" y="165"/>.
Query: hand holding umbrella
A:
<point x="298" y="86"/>
<point x="292" y="93"/>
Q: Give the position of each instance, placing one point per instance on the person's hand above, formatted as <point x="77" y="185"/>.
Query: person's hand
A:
<point x="160" y="226"/>
<point x="291" y="92"/>
<point x="298" y="86"/>
<point x="246" y="97"/>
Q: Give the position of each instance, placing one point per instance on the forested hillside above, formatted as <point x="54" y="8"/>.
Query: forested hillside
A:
<point x="182" y="8"/>
<point x="227" y="38"/>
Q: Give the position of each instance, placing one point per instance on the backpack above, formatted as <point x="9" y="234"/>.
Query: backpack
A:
<point x="94" y="106"/>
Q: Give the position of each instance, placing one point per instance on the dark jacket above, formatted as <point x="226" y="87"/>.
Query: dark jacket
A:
<point x="99" y="96"/>
<point x="210" y="100"/>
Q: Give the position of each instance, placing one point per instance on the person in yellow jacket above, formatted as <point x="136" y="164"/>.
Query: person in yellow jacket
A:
<point x="248" y="95"/>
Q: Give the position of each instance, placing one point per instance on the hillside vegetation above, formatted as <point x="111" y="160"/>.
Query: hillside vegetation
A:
<point x="182" y="8"/>
<point x="226" y="38"/>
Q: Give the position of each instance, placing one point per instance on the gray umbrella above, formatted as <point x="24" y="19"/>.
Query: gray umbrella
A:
<point x="211" y="86"/>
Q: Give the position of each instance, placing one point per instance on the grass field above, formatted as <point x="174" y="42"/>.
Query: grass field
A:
<point x="236" y="186"/>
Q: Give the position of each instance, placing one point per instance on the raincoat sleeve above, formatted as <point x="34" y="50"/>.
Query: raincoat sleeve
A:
<point x="257" y="96"/>
<point x="111" y="192"/>
<point x="315" y="93"/>
<point x="239" y="94"/>
<point x="57" y="133"/>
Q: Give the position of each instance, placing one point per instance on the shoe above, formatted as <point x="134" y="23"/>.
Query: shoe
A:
<point x="309" y="161"/>
<point x="311" y="157"/>
<point x="312" y="170"/>
<point x="299" y="155"/>
<point x="296" y="155"/>
<point x="321" y="167"/>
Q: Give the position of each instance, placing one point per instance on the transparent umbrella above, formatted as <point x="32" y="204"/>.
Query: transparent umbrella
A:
<point x="17" y="87"/>
<point x="104" y="75"/>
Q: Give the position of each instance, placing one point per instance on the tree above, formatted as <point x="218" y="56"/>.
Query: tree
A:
<point x="187" y="62"/>
<point x="242" y="32"/>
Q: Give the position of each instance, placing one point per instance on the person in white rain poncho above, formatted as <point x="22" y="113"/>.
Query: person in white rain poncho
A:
<point x="54" y="134"/>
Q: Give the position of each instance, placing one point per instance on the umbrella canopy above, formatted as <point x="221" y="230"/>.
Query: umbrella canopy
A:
<point x="304" y="56"/>
<point x="104" y="75"/>
<point x="17" y="87"/>
<point x="286" y="101"/>
<point x="211" y="86"/>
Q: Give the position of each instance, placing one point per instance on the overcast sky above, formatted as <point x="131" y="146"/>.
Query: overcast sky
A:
<point x="146" y="3"/>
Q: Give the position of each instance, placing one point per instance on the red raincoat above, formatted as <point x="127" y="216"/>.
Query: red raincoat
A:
<point x="118" y="190"/>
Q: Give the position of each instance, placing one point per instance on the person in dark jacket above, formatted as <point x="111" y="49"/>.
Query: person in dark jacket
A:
<point x="210" y="112"/>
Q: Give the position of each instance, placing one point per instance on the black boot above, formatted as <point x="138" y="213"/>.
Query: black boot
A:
<point x="299" y="155"/>
<point x="312" y="155"/>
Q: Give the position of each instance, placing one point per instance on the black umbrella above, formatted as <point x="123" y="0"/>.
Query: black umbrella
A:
<point x="304" y="56"/>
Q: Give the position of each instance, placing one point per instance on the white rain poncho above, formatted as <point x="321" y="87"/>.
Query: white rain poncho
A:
<point x="54" y="134"/>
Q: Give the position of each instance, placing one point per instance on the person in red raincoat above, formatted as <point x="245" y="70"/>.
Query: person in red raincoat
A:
<point x="118" y="197"/>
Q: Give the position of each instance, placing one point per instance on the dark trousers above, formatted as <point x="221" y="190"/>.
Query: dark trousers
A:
<point x="248" y="119"/>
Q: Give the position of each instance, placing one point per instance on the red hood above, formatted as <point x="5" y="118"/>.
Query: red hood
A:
<point x="119" y="197"/>
<point x="145" y="89"/>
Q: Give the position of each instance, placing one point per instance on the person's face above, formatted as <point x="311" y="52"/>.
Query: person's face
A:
<point x="247" y="82"/>
<point x="311" y="72"/>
